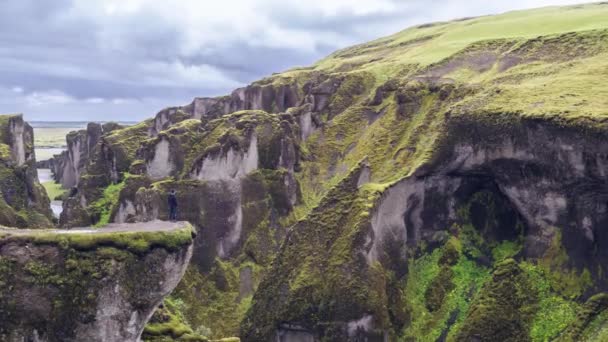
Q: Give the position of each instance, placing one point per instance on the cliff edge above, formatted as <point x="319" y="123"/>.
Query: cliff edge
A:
<point x="88" y="284"/>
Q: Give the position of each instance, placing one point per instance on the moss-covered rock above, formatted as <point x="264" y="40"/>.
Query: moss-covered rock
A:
<point x="503" y="309"/>
<point x="589" y="322"/>
<point x="88" y="285"/>
<point x="23" y="200"/>
<point x="319" y="277"/>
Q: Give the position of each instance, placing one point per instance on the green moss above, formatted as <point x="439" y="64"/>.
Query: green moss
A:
<point x="168" y="325"/>
<point x="596" y="330"/>
<point x="439" y="287"/>
<point x="75" y="282"/>
<point x="352" y="86"/>
<point x="564" y="278"/>
<point x="506" y="249"/>
<point x="503" y="309"/>
<point x="319" y="271"/>
<point x="426" y="276"/>
<point x="559" y="52"/>
<point x="589" y="321"/>
<point x="212" y="303"/>
<point x="125" y="142"/>
<point x="136" y="242"/>
<point x="5" y="152"/>
<point x="103" y="207"/>
<point x="554" y="311"/>
<point x="53" y="190"/>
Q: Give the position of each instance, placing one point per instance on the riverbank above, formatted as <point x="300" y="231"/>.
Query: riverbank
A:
<point x="53" y="190"/>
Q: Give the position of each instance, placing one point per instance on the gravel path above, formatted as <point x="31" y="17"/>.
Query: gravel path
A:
<point x="152" y="226"/>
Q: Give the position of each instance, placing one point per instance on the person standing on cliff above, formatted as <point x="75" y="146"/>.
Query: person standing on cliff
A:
<point x="172" y="199"/>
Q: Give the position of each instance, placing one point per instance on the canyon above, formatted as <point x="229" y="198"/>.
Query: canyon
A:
<point x="446" y="183"/>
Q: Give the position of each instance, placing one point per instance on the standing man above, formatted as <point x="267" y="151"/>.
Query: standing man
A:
<point x="172" y="199"/>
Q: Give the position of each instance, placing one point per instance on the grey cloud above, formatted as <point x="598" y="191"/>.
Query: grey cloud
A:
<point x="53" y="46"/>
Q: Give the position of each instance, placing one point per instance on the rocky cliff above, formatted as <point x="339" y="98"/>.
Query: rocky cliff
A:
<point x="88" y="285"/>
<point x="443" y="183"/>
<point x="24" y="202"/>
<point x="70" y="164"/>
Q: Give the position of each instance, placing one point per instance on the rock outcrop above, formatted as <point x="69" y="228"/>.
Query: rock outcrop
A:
<point x="70" y="164"/>
<point x="213" y="166"/>
<point x="271" y="98"/>
<point x="88" y="285"/>
<point x="23" y="201"/>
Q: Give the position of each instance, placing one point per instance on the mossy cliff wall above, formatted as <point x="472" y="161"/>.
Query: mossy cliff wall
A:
<point x="23" y="201"/>
<point x="70" y="164"/>
<point x="88" y="285"/>
<point x="501" y="190"/>
<point x="443" y="183"/>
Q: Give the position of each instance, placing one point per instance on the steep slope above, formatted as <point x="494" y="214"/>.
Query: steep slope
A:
<point x="444" y="183"/>
<point x="24" y="202"/>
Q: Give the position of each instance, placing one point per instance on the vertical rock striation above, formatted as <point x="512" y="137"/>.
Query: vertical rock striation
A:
<point x="23" y="201"/>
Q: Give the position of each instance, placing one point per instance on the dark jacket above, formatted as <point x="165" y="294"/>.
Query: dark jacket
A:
<point x="172" y="200"/>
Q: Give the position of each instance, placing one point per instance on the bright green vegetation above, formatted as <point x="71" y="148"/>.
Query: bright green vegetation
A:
<point x="125" y="142"/>
<point x="517" y="301"/>
<point x="428" y="44"/>
<point x="136" y="242"/>
<point x="167" y="325"/>
<point x="53" y="190"/>
<point x="320" y="292"/>
<point x="428" y="323"/>
<point x="103" y="207"/>
<point x="222" y="307"/>
<point x="474" y="284"/>
<point x="5" y="152"/>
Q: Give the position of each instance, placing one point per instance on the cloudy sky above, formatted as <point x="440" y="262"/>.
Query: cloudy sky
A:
<point x="80" y="60"/>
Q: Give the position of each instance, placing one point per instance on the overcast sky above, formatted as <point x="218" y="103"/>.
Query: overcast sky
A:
<point x="125" y="60"/>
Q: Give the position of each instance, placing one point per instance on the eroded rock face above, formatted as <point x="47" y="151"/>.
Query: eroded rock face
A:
<point x="513" y="184"/>
<point x="294" y="333"/>
<point x="23" y="201"/>
<point x="61" y="290"/>
<point x="229" y="165"/>
<point x="557" y="187"/>
<point x="21" y="134"/>
<point x="70" y="164"/>
<point x="221" y="188"/>
<point x="161" y="165"/>
<point x="267" y="97"/>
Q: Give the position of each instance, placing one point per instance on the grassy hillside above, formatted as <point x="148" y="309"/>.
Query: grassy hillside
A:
<point x="431" y="43"/>
<point x="560" y="51"/>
